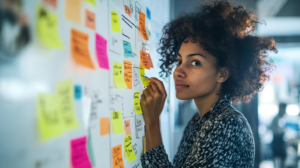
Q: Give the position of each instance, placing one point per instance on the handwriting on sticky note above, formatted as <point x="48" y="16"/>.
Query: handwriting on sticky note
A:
<point x="142" y="26"/>
<point x="128" y="74"/>
<point x="79" y="155"/>
<point x="144" y="60"/>
<point x="118" y="75"/>
<point x="136" y="75"/>
<point x="52" y="3"/>
<point x="149" y="60"/>
<point x="115" y="22"/>
<point x="127" y="127"/>
<point x="127" y="49"/>
<point x="50" y="124"/>
<point x="117" y="122"/>
<point x="65" y="100"/>
<point x="128" y="148"/>
<point x="127" y="10"/>
<point x="90" y="19"/>
<point x="117" y="157"/>
<point x="47" y="25"/>
<point x="73" y="10"/>
<point x="136" y="103"/>
<point x="104" y="126"/>
<point x="101" y="51"/>
<point x="142" y="73"/>
<point x="79" y="48"/>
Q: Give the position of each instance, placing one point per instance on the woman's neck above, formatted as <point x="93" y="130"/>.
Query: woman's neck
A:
<point x="205" y="103"/>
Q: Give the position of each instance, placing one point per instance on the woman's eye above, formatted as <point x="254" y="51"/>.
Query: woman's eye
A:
<point x="195" y="63"/>
<point x="178" y="63"/>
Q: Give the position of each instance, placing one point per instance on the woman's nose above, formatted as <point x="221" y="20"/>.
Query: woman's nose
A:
<point x="179" y="72"/>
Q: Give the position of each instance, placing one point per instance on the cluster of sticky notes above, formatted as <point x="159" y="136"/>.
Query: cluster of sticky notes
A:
<point x="127" y="49"/>
<point x="128" y="74"/>
<point x="79" y="48"/>
<point x="117" y="157"/>
<point x="47" y="26"/>
<point x="79" y="155"/>
<point x="117" y="122"/>
<point x="73" y="10"/>
<point x="142" y="74"/>
<point x="129" y="152"/>
<point x="104" y="126"/>
<point x="118" y="75"/>
<point x="101" y="51"/>
<point x="136" y="103"/>
<point x="115" y="22"/>
<point x="142" y="26"/>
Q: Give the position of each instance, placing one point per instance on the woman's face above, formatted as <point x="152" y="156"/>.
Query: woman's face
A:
<point x="196" y="74"/>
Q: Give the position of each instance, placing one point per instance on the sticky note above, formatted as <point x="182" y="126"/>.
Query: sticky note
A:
<point x="117" y="122"/>
<point x="149" y="61"/>
<point x="77" y="91"/>
<point x="142" y="73"/>
<point x="127" y="127"/>
<point x="142" y="26"/>
<point x="101" y="51"/>
<point x="118" y="75"/>
<point x="127" y="10"/>
<point x="129" y="152"/>
<point x="127" y="49"/>
<point x="86" y="104"/>
<point x="104" y="126"/>
<point x="79" y="48"/>
<point x="49" y="122"/>
<point x="65" y="100"/>
<point x="93" y="2"/>
<point x="115" y="22"/>
<point x="52" y="3"/>
<point x="144" y="60"/>
<point x="117" y="157"/>
<point x="73" y="10"/>
<point x="90" y="19"/>
<point x="47" y="26"/>
<point x="128" y="74"/>
<point x="79" y="155"/>
<point x="136" y="103"/>
<point x="148" y="13"/>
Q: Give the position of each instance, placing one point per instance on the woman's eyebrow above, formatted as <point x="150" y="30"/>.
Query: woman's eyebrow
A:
<point x="190" y="55"/>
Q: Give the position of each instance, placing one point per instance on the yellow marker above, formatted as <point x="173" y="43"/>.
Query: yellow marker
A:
<point x="49" y="121"/>
<point x="118" y="75"/>
<point x="129" y="152"/>
<point x="117" y="122"/>
<point x="142" y="74"/>
<point x="115" y="22"/>
<point x="136" y="103"/>
<point x="47" y="26"/>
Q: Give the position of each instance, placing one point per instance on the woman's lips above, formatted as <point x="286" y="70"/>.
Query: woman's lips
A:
<point x="181" y="86"/>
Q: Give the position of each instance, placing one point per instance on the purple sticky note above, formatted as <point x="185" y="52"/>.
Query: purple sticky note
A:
<point x="79" y="155"/>
<point x="101" y="51"/>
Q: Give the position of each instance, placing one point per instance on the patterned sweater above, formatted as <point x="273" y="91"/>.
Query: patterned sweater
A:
<point x="221" y="138"/>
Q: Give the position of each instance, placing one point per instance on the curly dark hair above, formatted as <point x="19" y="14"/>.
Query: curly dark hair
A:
<point x="227" y="32"/>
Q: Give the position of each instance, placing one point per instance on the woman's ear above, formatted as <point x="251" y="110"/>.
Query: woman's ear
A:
<point x="223" y="74"/>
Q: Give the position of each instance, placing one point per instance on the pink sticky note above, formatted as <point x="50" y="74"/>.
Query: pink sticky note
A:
<point x="101" y="50"/>
<point x="79" y="155"/>
<point x="127" y="127"/>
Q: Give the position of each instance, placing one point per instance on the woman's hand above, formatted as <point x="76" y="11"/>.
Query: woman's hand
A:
<point x="152" y="101"/>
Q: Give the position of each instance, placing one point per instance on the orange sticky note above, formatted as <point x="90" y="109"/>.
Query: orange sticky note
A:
<point x="79" y="48"/>
<point x="104" y="126"/>
<point x="127" y="127"/>
<point x="144" y="60"/>
<point x="52" y="3"/>
<point x="117" y="157"/>
<point x="90" y="19"/>
<point x="127" y="10"/>
<point x="128" y="74"/>
<point x="142" y="27"/>
<point x="149" y="60"/>
<point x="73" y="10"/>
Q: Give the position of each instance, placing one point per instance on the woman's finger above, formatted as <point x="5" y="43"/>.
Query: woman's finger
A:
<point x="160" y="85"/>
<point x="151" y="90"/>
<point x="146" y="92"/>
<point x="154" y="87"/>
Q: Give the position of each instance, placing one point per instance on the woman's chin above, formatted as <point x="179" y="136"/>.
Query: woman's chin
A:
<point x="182" y="96"/>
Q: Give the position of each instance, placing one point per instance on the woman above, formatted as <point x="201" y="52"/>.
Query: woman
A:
<point x="219" y="61"/>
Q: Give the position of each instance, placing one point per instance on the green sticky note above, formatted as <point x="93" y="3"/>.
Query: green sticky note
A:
<point x="136" y="103"/>
<point x="115" y="22"/>
<point x="49" y="122"/>
<point x="127" y="49"/>
<point x="65" y="100"/>
<point x="47" y="26"/>
<point x="93" y="2"/>
<point x="117" y="122"/>
<point x="129" y="152"/>
<point x="142" y="73"/>
<point x="118" y="75"/>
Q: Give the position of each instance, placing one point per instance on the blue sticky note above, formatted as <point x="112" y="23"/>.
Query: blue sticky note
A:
<point x="127" y="49"/>
<point x="77" y="91"/>
<point x="148" y="13"/>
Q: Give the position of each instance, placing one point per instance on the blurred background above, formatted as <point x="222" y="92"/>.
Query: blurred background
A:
<point x="271" y="129"/>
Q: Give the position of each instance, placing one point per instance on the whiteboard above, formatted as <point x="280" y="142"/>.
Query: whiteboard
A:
<point x="38" y="68"/>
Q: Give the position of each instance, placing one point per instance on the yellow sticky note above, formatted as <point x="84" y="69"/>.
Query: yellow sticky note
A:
<point x="129" y="152"/>
<point x="136" y="103"/>
<point x="117" y="122"/>
<point x="47" y="26"/>
<point x="49" y="121"/>
<point x="142" y="73"/>
<point x="65" y="100"/>
<point x="115" y="22"/>
<point x="93" y="2"/>
<point x="118" y="75"/>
